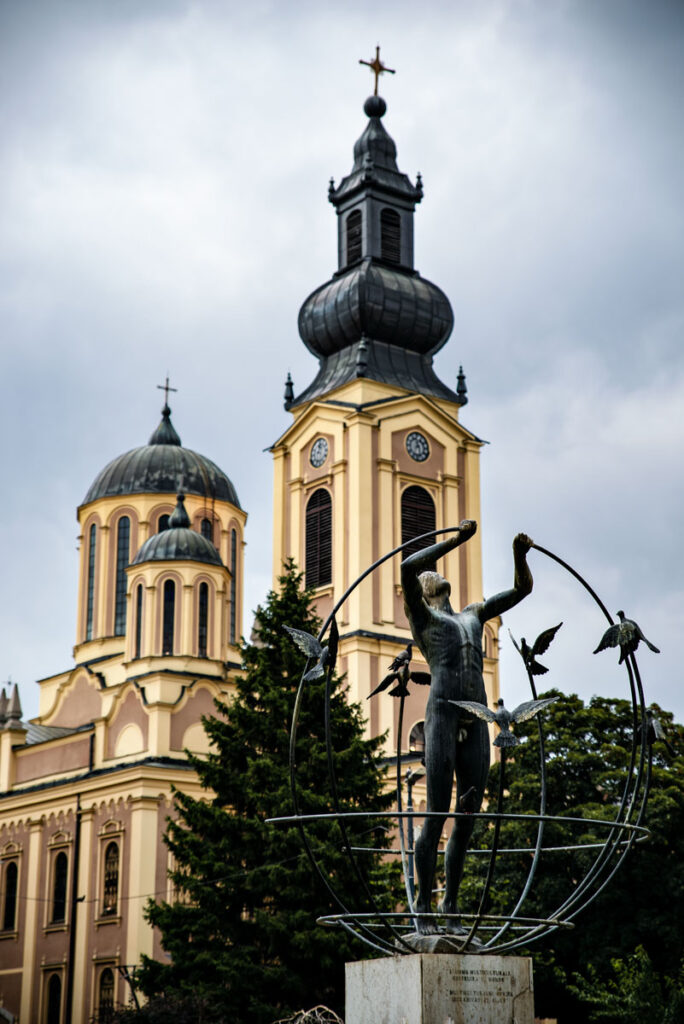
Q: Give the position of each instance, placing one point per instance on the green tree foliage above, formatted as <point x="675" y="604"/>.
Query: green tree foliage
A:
<point x="588" y="750"/>
<point x="634" y="993"/>
<point x="242" y="936"/>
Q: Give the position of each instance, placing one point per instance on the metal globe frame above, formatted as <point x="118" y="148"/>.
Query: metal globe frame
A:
<point x="386" y="932"/>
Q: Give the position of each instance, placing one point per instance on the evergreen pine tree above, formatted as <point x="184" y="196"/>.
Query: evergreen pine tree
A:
<point x="242" y="936"/>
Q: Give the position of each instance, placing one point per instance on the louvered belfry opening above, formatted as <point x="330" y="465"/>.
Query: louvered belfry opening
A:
<point x="390" y="235"/>
<point x="354" y="246"/>
<point x="318" y="568"/>
<point x="417" y="517"/>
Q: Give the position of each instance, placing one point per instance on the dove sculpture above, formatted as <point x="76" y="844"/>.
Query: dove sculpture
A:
<point x="503" y="717"/>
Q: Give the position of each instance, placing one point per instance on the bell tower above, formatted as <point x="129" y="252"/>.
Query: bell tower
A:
<point x="376" y="453"/>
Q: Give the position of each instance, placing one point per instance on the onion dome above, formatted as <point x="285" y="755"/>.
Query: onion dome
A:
<point x="377" y="317"/>
<point x="178" y="542"/>
<point x="156" y="468"/>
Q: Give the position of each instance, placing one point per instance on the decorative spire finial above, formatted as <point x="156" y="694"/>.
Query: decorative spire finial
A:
<point x="362" y="357"/>
<point x="179" y="517"/>
<point x="289" y="391"/>
<point x="3" y="707"/>
<point x="14" y="706"/>
<point x="461" y="387"/>
<point x="377" y="67"/>
<point x="166" y="387"/>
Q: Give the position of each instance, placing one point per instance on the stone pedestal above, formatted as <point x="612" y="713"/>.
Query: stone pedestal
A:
<point x="440" y="988"/>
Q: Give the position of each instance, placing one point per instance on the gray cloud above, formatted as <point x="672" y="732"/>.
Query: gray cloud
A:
<point x="164" y="170"/>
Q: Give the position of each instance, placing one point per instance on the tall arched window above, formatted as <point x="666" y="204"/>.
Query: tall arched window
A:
<point x="233" y="584"/>
<point x="390" y="235"/>
<point x="318" y="570"/>
<point x="92" y="548"/>
<point x="9" y="910"/>
<point x="105" y="1002"/>
<point x="54" y="1000"/>
<point x="123" y="539"/>
<point x="169" y="616"/>
<point x="110" y="885"/>
<point x="354" y="236"/>
<point x="59" y="888"/>
<point x="417" y="517"/>
<point x="138" y="619"/>
<point x="207" y="529"/>
<point x="163" y="523"/>
<point x="202" y="619"/>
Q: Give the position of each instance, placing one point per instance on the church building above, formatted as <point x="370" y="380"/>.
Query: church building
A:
<point x="375" y="455"/>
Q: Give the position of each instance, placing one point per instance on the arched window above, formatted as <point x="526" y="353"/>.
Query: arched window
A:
<point x="207" y="529"/>
<point x="105" y="1002"/>
<point x="54" y="1000"/>
<point x="59" y="888"/>
<point x="354" y="236"/>
<point x="123" y="537"/>
<point x="163" y="523"/>
<point x="110" y="889"/>
<point x="417" y="517"/>
<point x="202" y="620"/>
<point x="318" y="556"/>
<point x="417" y="738"/>
<point x="390" y="235"/>
<point x="9" y="912"/>
<point x="138" y="619"/>
<point x="233" y="584"/>
<point x="92" y="548"/>
<point x="169" y="616"/>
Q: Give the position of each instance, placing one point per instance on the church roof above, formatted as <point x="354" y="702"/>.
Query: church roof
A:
<point x="158" y="467"/>
<point x="178" y="542"/>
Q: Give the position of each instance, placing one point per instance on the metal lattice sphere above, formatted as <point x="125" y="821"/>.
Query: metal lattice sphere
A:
<point x="481" y="931"/>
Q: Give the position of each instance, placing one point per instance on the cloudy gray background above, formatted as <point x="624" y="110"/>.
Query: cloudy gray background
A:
<point x="163" y="171"/>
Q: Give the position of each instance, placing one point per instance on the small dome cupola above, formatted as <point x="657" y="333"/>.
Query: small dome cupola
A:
<point x="377" y="317"/>
<point x="178" y="542"/>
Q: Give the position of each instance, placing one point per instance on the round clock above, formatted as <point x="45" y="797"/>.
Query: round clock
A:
<point x="417" y="446"/>
<point x="319" y="452"/>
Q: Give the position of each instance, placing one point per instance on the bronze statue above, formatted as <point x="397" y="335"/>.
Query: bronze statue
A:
<point x="456" y="743"/>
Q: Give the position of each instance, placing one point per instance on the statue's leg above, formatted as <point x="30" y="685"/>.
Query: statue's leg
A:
<point x="440" y="754"/>
<point x="472" y="767"/>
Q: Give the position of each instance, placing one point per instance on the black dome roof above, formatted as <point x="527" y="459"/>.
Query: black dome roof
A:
<point x="378" y="302"/>
<point x="160" y="467"/>
<point x="178" y="542"/>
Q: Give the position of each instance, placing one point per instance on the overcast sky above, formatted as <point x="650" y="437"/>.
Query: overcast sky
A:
<point x="163" y="179"/>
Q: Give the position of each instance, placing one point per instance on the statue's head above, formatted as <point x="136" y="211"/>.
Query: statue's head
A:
<point x="436" y="590"/>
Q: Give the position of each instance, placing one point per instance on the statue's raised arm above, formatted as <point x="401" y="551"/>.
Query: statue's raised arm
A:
<point x="522" y="582"/>
<point x="415" y="598"/>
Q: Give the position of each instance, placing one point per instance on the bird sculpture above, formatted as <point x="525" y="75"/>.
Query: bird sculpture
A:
<point x="626" y="635"/>
<point x="400" y="673"/>
<point x="325" y="656"/>
<point x="655" y="733"/>
<point x="540" y="646"/>
<point x="503" y="717"/>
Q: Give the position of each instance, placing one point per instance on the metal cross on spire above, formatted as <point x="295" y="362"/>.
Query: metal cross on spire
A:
<point x="377" y="67"/>
<point x="166" y="387"/>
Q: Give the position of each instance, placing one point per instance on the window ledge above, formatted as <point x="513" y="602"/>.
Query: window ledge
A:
<point x="60" y="926"/>
<point x="9" y="934"/>
<point x="107" y="919"/>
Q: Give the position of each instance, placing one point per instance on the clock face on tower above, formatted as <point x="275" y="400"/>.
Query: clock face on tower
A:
<point x="417" y="446"/>
<point x="319" y="452"/>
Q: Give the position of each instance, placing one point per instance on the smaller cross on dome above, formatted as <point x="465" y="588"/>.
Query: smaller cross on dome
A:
<point x="166" y="387"/>
<point x="377" y="67"/>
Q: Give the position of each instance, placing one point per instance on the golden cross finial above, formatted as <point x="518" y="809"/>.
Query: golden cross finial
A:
<point x="377" y="67"/>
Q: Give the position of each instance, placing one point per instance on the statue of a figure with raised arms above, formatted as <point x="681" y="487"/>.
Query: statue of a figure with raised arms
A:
<point x="456" y="744"/>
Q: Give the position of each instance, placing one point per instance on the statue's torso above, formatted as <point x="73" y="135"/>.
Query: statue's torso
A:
<point x="451" y="643"/>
